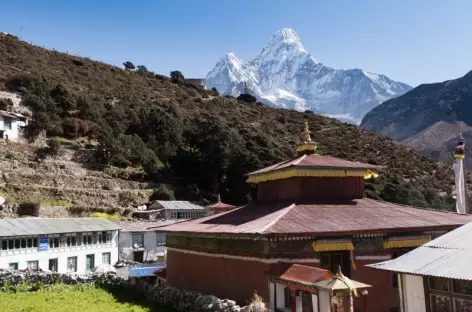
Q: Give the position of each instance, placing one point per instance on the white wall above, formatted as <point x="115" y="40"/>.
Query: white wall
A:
<point x="413" y="293"/>
<point x="151" y="250"/>
<point x="13" y="132"/>
<point x="22" y="256"/>
<point x="325" y="300"/>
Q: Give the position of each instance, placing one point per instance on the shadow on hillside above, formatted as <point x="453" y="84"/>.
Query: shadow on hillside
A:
<point x="135" y="297"/>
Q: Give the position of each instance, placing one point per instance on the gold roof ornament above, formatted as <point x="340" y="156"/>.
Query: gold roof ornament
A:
<point x="307" y="145"/>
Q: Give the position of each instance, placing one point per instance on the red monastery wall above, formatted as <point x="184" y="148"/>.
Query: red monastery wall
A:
<point x="382" y="295"/>
<point x="234" y="279"/>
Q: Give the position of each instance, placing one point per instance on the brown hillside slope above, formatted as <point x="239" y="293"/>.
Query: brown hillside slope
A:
<point x="269" y="134"/>
<point x="439" y="140"/>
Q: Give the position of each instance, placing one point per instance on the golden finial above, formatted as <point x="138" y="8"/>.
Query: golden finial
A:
<point x="307" y="146"/>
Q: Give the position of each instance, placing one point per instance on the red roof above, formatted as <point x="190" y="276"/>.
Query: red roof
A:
<point x="220" y="205"/>
<point x="316" y="161"/>
<point x="320" y="217"/>
<point x="300" y="273"/>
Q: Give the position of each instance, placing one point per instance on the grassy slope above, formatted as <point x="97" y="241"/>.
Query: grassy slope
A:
<point x="62" y="298"/>
<point x="416" y="179"/>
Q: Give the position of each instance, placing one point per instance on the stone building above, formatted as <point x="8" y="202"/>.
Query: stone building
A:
<point x="309" y="210"/>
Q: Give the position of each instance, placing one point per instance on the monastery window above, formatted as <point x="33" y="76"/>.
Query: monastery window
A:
<point x="29" y="242"/>
<point x="4" y="244"/>
<point x="440" y="303"/>
<point x="108" y="237"/>
<point x="23" y="243"/>
<point x="13" y="266"/>
<point x="437" y="283"/>
<point x="463" y="287"/>
<point x="104" y="237"/>
<point x="137" y="239"/>
<point x="287" y="297"/>
<point x="10" y="244"/>
<point x="35" y="242"/>
<point x="179" y="215"/>
<point x="331" y="260"/>
<point x="17" y="243"/>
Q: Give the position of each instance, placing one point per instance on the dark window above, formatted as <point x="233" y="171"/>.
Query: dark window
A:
<point x="73" y="241"/>
<point x="89" y="262"/>
<point x="17" y="243"/>
<point x="10" y="244"/>
<point x="437" y="283"/>
<point x="23" y="243"/>
<point x="4" y="245"/>
<point x="68" y="241"/>
<point x="104" y="237"/>
<point x="440" y="303"/>
<point x="331" y="260"/>
<point x="54" y="242"/>
<point x="35" y="242"/>
<point x="29" y="242"/>
<point x="287" y="297"/>
<point x="108" y="237"/>
<point x="53" y="265"/>
<point x="84" y="240"/>
<point x="89" y="239"/>
<point x="462" y="287"/>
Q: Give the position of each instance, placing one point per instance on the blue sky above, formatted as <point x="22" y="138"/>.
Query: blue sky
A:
<point x="414" y="41"/>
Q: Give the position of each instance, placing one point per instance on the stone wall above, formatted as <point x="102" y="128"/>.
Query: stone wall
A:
<point x="181" y="300"/>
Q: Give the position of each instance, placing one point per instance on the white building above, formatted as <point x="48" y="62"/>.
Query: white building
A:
<point x="437" y="276"/>
<point x="10" y="124"/>
<point x="70" y="245"/>
<point x="138" y="242"/>
<point x="178" y="209"/>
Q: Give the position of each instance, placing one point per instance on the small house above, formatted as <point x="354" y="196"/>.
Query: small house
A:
<point x="178" y="209"/>
<point x="137" y="242"/>
<point x="10" y="124"/>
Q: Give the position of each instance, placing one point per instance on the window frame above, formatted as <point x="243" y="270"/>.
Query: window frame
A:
<point x="108" y="254"/>
<point x="74" y="258"/>
<point x="32" y="262"/>
<point x="137" y="234"/>
<point x="15" y="264"/>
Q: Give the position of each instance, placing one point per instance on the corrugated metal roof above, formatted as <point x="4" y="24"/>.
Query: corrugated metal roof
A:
<point x="301" y="274"/>
<point x="40" y="226"/>
<point x="177" y="205"/>
<point x="449" y="256"/>
<point x="143" y="226"/>
<point x="315" y="161"/>
<point x="321" y="217"/>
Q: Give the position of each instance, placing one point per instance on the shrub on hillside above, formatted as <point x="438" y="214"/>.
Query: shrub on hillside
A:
<point x="163" y="192"/>
<point x="247" y="98"/>
<point x="177" y="77"/>
<point x="6" y="104"/>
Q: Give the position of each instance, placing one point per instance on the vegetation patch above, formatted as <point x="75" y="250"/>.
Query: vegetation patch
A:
<point x="72" y="298"/>
<point x="58" y="203"/>
<point x="111" y="217"/>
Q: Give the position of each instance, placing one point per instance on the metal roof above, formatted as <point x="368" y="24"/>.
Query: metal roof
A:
<point x="41" y="226"/>
<point x="145" y="270"/>
<point x="449" y="256"/>
<point x="315" y="161"/>
<point x="143" y="226"/>
<point x="177" y="205"/>
<point x="333" y="216"/>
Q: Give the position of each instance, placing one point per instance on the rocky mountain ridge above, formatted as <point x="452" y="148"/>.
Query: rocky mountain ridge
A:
<point x="427" y="118"/>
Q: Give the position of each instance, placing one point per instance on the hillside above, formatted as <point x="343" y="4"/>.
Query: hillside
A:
<point x="189" y="138"/>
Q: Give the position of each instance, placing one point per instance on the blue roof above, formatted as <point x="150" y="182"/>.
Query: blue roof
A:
<point x="145" y="271"/>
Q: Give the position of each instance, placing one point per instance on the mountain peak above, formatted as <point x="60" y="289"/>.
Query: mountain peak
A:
<point x="287" y="36"/>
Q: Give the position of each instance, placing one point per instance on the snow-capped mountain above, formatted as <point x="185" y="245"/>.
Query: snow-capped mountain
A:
<point x="285" y="75"/>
